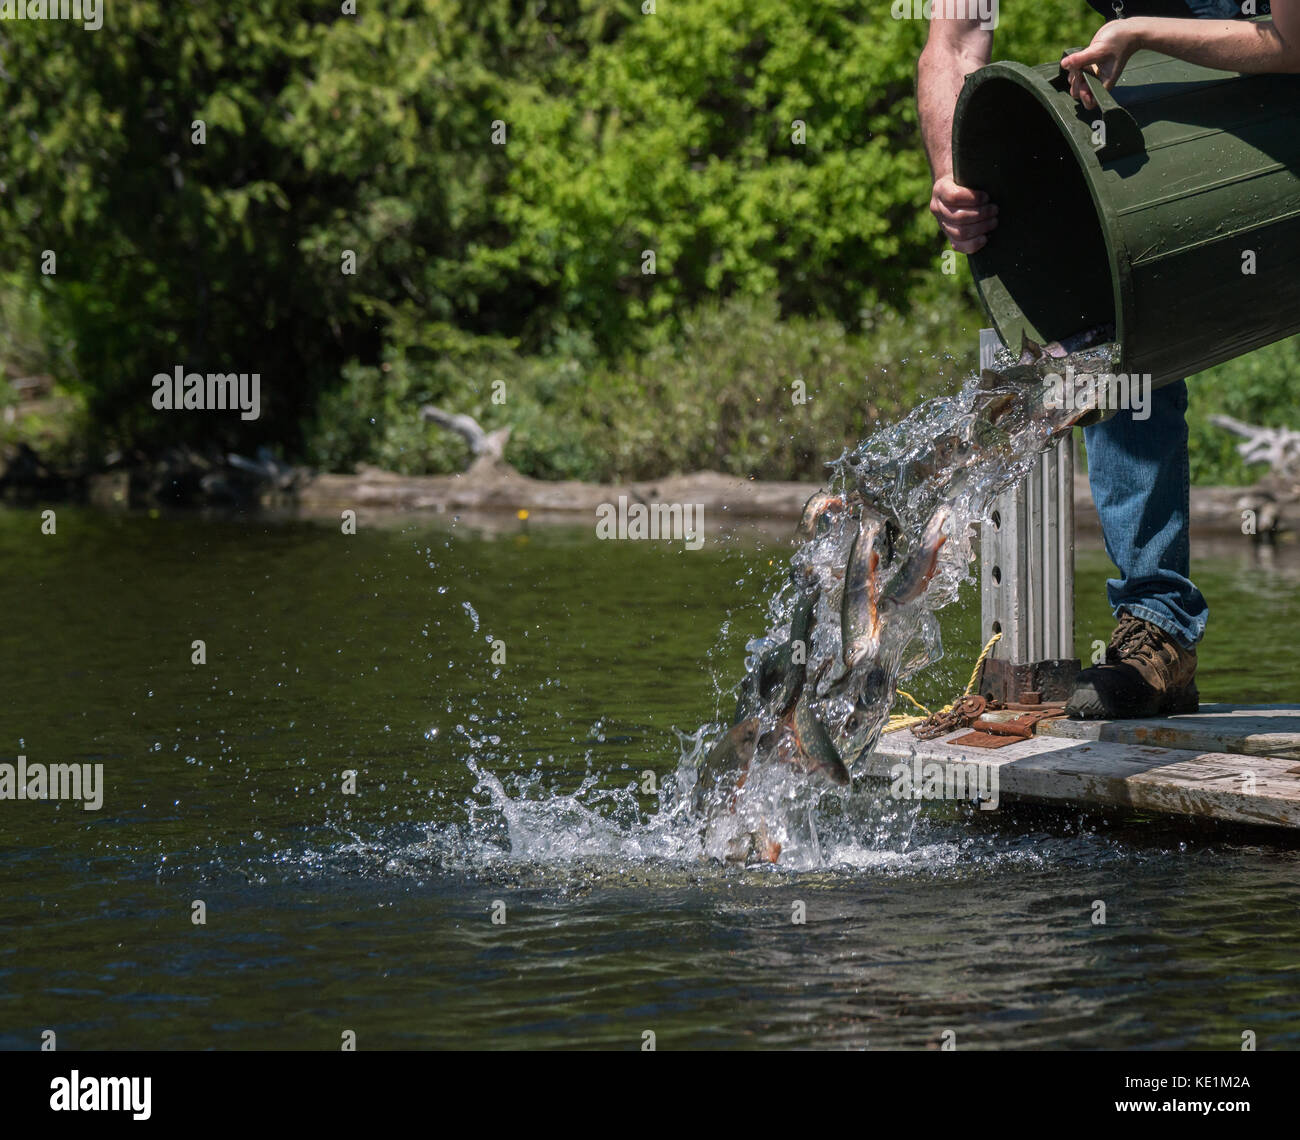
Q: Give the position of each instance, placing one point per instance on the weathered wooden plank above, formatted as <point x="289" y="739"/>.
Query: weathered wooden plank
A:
<point x="1218" y="785"/>
<point x="1254" y="730"/>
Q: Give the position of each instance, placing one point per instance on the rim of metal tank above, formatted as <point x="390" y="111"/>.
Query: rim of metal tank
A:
<point x="1062" y="109"/>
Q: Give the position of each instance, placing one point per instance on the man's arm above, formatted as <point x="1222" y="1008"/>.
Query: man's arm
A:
<point x="953" y="49"/>
<point x="1252" y="47"/>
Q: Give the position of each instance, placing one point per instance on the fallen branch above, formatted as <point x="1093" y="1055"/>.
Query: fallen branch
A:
<point x="487" y="448"/>
<point x="1279" y="448"/>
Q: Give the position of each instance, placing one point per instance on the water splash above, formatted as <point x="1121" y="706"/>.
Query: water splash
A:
<point x="520" y="830"/>
<point x="887" y="546"/>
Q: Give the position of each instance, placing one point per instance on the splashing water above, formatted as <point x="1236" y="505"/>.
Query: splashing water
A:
<point x="888" y="545"/>
<point x="594" y="823"/>
<point x="885" y="547"/>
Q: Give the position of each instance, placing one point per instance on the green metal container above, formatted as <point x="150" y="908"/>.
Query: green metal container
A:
<point x="1149" y="225"/>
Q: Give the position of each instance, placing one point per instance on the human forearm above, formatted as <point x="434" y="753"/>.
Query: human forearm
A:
<point x="940" y="73"/>
<point x="953" y="50"/>
<point x="1227" y="45"/>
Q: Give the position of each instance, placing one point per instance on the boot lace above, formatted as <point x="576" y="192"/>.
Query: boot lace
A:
<point x="1137" y="638"/>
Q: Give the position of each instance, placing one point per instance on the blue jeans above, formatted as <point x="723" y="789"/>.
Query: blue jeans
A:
<point x="1138" y="470"/>
<point x="1224" y="9"/>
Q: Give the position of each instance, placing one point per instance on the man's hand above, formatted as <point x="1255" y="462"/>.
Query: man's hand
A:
<point x="1105" y="57"/>
<point x="966" y="216"/>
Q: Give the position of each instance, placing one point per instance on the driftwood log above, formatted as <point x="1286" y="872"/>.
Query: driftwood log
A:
<point x="506" y="490"/>
<point x="491" y="484"/>
<point x="1279" y="490"/>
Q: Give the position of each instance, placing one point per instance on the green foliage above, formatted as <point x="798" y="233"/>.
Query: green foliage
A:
<point x="481" y="261"/>
<point x="722" y="397"/>
<point x="1040" y="32"/>
<point x="30" y="343"/>
<point x="169" y="252"/>
<point x="679" y="138"/>
<point x="33" y="347"/>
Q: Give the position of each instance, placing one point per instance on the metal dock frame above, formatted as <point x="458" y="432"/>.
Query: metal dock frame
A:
<point x="1027" y="576"/>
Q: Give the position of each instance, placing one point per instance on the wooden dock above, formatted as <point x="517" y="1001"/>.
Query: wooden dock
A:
<point x="1239" y="763"/>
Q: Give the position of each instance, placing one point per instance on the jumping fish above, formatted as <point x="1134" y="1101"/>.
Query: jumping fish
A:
<point x="820" y="690"/>
<point x="860" y="610"/>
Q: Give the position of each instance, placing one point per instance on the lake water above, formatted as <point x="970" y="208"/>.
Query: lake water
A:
<point x="514" y="788"/>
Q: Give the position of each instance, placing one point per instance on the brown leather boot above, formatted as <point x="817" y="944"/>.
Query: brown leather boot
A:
<point x="1146" y="673"/>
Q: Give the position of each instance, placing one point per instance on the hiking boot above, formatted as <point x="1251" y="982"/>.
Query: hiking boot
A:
<point x="1146" y="673"/>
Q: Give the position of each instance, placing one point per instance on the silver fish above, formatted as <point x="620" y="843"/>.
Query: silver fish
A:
<point x="860" y="608"/>
<point x="820" y="692"/>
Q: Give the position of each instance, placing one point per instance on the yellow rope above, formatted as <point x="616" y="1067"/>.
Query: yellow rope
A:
<point x="914" y="701"/>
<point x="903" y="720"/>
<point x="979" y="663"/>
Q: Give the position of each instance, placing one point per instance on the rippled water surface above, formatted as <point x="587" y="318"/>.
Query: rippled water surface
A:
<point x="517" y="787"/>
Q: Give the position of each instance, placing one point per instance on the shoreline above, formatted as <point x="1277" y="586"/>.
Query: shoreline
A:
<point x="1214" y="509"/>
<point x="497" y="492"/>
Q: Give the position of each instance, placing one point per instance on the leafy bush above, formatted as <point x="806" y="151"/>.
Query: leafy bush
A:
<point x="31" y="346"/>
<point x="742" y="391"/>
<point x="327" y="133"/>
<point x="499" y="169"/>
